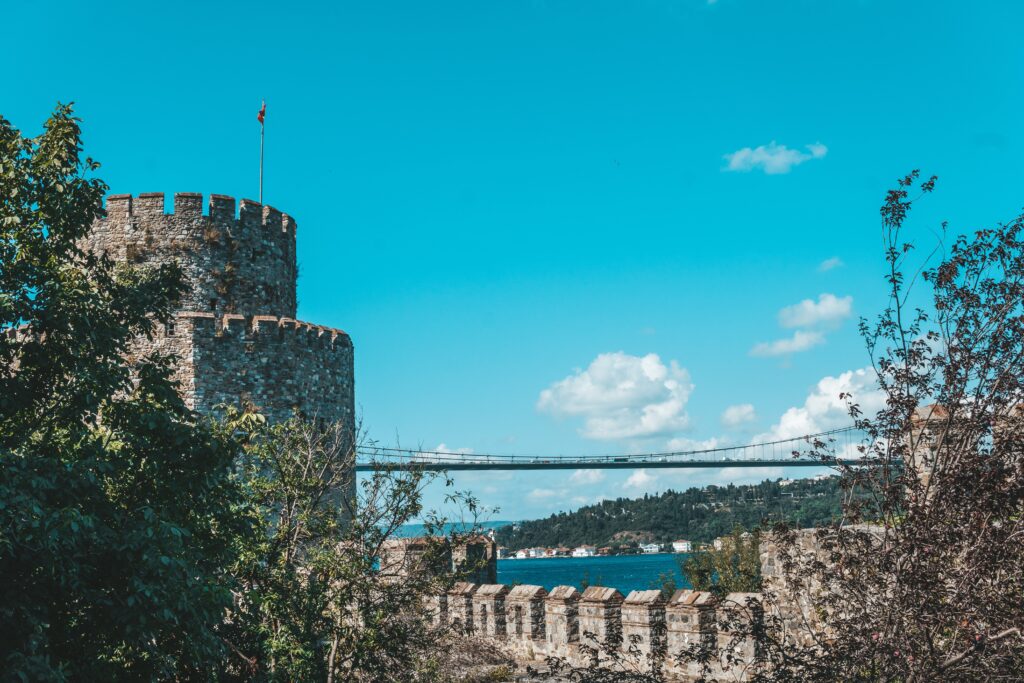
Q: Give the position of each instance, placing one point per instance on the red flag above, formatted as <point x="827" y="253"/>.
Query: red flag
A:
<point x="263" y="113"/>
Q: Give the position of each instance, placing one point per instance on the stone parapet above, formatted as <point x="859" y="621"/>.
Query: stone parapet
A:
<point x="736" y="615"/>
<point x="561" y="617"/>
<point x="233" y="264"/>
<point x="601" y="617"/>
<point x="648" y="630"/>
<point x="689" y="623"/>
<point x="460" y="606"/>
<point x="234" y="338"/>
<point x="643" y="624"/>
<point x="489" y="610"/>
<point x="525" y="612"/>
<point x="279" y="366"/>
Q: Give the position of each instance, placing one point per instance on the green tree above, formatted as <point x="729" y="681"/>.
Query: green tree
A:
<point x="114" y="501"/>
<point x="325" y="591"/>
<point x="733" y="568"/>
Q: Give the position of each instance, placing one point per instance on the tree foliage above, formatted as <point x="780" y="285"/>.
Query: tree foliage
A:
<point x="318" y="597"/>
<point x="697" y="514"/>
<point x="735" y="567"/>
<point x="932" y="588"/>
<point x="115" y="519"/>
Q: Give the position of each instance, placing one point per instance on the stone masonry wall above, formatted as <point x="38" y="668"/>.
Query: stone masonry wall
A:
<point x="535" y="625"/>
<point x="234" y="335"/>
<point x="277" y="365"/>
<point x="244" y="264"/>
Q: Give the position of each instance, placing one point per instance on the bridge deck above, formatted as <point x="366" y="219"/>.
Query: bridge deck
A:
<point x="803" y="451"/>
<point x="584" y="465"/>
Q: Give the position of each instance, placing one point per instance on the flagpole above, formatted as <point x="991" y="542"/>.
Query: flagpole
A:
<point x="262" y="125"/>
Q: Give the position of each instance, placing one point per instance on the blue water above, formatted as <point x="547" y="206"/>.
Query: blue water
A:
<point x="622" y="572"/>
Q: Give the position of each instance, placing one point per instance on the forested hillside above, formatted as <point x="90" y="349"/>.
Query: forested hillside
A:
<point x="699" y="515"/>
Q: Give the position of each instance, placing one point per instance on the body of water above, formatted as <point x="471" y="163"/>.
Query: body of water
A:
<point x="622" y="572"/>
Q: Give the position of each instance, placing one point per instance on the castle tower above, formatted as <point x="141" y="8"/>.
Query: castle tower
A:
<point x="235" y="334"/>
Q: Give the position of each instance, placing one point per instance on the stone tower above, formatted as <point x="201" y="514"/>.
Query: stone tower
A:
<point x="235" y="334"/>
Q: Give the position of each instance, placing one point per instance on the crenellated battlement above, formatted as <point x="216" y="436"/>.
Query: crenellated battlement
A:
<point x="278" y="365"/>
<point x="189" y="206"/>
<point x="265" y="327"/>
<point x="644" y="627"/>
<point x="234" y="261"/>
<point x="234" y="336"/>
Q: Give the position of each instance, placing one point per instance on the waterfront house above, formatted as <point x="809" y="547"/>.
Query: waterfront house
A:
<point x="606" y="550"/>
<point x="650" y="548"/>
<point x="584" y="551"/>
<point x="521" y="554"/>
<point x="682" y="547"/>
<point x="533" y="553"/>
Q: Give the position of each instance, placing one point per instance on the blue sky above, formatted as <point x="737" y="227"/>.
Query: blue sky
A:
<point x="502" y="199"/>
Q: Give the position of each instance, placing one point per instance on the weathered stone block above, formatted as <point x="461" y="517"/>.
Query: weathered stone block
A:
<point x="460" y="606"/>
<point x="561" y="617"/>
<point x="489" y="610"/>
<point x="600" y="617"/>
<point x="643" y="625"/>
<point x="524" y="612"/>
<point x="689" y="624"/>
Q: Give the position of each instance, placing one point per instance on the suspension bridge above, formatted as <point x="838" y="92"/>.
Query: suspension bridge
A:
<point x="838" y="446"/>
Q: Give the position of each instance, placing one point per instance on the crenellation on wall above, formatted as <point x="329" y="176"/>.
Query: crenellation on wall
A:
<point x="643" y="625"/>
<point x="534" y="624"/>
<point x="221" y="208"/>
<point x="600" y="617"/>
<point x="739" y="655"/>
<point x="149" y="205"/>
<point x="234" y="338"/>
<point x="525" y="612"/>
<point x="244" y="264"/>
<point x="562" y="617"/>
<point x="460" y="606"/>
<point x="188" y="206"/>
<point x="489" y="603"/>
<point x="689" y="624"/>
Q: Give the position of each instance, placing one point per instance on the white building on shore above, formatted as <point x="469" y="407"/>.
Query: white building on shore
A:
<point x="584" y="551"/>
<point x="650" y="548"/>
<point x="682" y="546"/>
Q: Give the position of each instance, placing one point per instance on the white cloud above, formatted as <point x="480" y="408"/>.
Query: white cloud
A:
<point x="622" y="396"/>
<point x="683" y="445"/>
<point x="829" y="264"/>
<point x="585" y="477"/>
<point x="639" y="480"/>
<point x="772" y="158"/>
<point x="545" y="494"/>
<point x="829" y="309"/>
<point x="800" y="341"/>
<point x="736" y="415"/>
<point x="824" y="410"/>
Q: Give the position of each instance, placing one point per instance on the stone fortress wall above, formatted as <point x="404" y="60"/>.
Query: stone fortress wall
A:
<point x="235" y="333"/>
<point x="569" y="624"/>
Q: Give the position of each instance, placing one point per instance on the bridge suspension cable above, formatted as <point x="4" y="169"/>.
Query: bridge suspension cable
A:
<point x="836" y="445"/>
